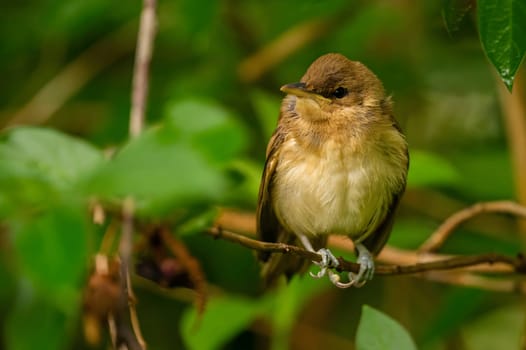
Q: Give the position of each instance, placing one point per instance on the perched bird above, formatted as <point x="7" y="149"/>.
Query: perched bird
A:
<point x="336" y="164"/>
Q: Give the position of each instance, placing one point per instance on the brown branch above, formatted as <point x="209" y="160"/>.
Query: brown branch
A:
<point x="513" y="107"/>
<point x="132" y="340"/>
<point x="255" y="66"/>
<point x="517" y="264"/>
<point x="190" y="264"/>
<point x="437" y="238"/>
<point x="477" y="281"/>
<point x="145" y="37"/>
<point x="218" y="232"/>
<point x="143" y="55"/>
<point x="395" y="256"/>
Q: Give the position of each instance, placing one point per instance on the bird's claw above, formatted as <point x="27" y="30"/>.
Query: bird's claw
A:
<point x="366" y="272"/>
<point x="329" y="261"/>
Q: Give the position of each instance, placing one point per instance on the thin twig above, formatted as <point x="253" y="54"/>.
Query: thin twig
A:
<point x="453" y="263"/>
<point x="253" y="67"/>
<point x="518" y="264"/>
<point x="437" y="238"/>
<point x="128" y="297"/>
<point x="191" y="265"/>
<point x="477" y="281"/>
<point x="145" y="37"/>
<point x="143" y="56"/>
<point x="218" y="232"/>
<point x="292" y="40"/>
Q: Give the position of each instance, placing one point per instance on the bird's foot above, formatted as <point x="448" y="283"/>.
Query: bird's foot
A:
<point x="366" y="272"/>
<point x="328" y="261"/>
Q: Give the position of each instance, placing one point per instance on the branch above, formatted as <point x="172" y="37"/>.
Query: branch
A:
<point x="143" y="56"/>
<point x="437" y="238"/>
<point x="139" y="94"/>
<point x="517" y="264"/>
<point x="191" y="265"/>
<point x="272" y="54"/>
<point x="513" y="108"/>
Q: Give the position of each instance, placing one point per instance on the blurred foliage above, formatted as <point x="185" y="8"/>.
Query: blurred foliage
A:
<point x="68" y="65"/>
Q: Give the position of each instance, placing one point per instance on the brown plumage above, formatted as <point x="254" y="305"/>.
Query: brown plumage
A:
<point x="336" y="164"/>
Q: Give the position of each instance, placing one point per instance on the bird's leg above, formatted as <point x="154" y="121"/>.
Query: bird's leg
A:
<point x="366" y="272"/>
<point x="328" y="260"/>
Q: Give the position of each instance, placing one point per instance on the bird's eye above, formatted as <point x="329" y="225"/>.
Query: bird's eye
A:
<point x="340" y="92"/>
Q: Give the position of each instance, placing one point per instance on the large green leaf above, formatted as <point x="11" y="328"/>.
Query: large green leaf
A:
<point x="502" y="26"/>
<point x="39" y="165"/>
<point x="47" y="154"/>
<point x="180" y="162"/>
<point x="160" y="172"/>
<point x="207" y="127"/>
<point x="378" y="331"/>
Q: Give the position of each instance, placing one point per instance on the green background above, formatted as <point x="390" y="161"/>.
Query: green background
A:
<point x="66" y="73"/>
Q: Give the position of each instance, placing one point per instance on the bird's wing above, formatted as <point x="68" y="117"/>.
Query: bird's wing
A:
<point x="268" y="226"/>
<point x="376" y="241"/>
<point x="269" y="229"/>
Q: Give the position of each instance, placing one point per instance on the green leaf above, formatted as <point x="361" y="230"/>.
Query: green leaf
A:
<point x="454" y="11"/>
<point x="378" y="331"/>
<point x="47" y="155"/>
<point x="207" y="127"/>
<point x="39" y="166"/>
<point x="502" y="26"/>
<point x="428" y="169"/>
<point x="52" y="251"/>
<point x="159" y="171"/>
<point x="181" y="162"/>
<point x="223" y="319"/>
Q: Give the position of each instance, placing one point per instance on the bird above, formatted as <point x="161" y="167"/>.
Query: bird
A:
<point x="336" y="163"/>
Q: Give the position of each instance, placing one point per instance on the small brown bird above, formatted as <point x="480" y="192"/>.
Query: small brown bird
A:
<point x="336" y="164"/>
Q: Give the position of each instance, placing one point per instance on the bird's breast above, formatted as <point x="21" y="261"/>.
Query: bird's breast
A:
<point x="337" y="190"/>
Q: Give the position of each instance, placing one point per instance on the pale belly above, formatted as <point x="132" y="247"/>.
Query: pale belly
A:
<point x="334" y="192"/>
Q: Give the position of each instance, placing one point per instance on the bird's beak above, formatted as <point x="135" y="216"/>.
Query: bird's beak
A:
<point x="300" y="90"/>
